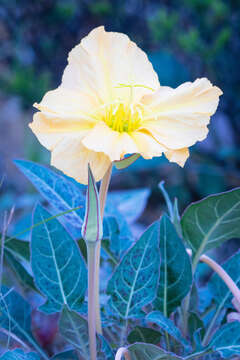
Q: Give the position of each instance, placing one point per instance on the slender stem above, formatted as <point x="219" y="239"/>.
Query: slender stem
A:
<point x="198" y="355"/>
<point x="91" y="250"/>
<point x="211" y="326"/>
<point x="14" y="337"/>
<point x="2" y="246"/>
<point x="123" y="332"/>
<point x="224" y="276"/>
<point x="122" y="352"/>
<point x="186" y="303"/>
<point x="40" y="223"/>
<point x="102" y="199"/>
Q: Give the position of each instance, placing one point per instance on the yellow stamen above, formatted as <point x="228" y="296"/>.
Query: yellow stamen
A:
<point x="122" y="118"/>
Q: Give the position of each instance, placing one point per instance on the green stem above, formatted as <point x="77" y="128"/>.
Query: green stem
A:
<point x="186" y="302"/>
<point x="198" y="354"/>
<point x="41" y="222"/>
<point x="123" y="332"/>
<point x="211" y="326"/>
<point x="91" y="251"/>
<point x="102" y="199"/>
<point x="109" y="253"/>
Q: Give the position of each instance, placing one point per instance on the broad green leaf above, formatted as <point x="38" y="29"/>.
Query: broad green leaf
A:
<point x="74" y="328"/>
<point x="211" y="221"/>
<point x="58" y="267"/>
<point x="134" y="282"/>
<point x="124" y="228"/>
<point x="226" y="340"/>
<point x="219" y="289"/>
<point x="66" y="355"/>
<point x="15" y="252"/>
<point x="127" y="161"/>
<point x="141" y="351"/>
<point x="92" y="229"/>
<point x="167" y="325"/>
<point x="60" y="192"/>
<point x="130" y="203"/>
<point x="143" y="334"/>
<point x="175" y="271"/>
<point x="19" y="270"/>
<point x="116" y="243"/>
<point x="18" y="248"/>
<point x="18" y="354"/>
<point x="15" y="316"/>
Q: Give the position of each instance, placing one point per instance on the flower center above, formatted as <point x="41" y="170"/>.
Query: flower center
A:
<point x="123" y="118"/>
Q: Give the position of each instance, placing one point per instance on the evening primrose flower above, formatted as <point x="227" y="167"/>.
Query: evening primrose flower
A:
<point x="110" y="103"/>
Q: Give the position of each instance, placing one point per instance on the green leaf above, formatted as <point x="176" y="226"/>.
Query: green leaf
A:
<point x="141" y="351"/>
<point x="226" y="340"/>
<point x="113" y="242"/>
<point x="134" y="282"/>
<point x="142" y="334"/>
<point x="167" y="325"/>
<point x="130" y="203"/>
<point x="18" y="248"/>
<point x="15" y="315"/>
<point x="219" y="289"/>
<point x="58" y="267"/>
<point x="127" y="161"/>
<point x="74" y="328"/>
<point x="18" y="354"/>
<point x="208" y="223"/>
<point x="60" y="192"/>
<point x="125" y="235"/>
<point x="195" y="324"/>
<point x="92" y="229"/>
<point x="175" y="271"/>
<point x="19" y="270"/>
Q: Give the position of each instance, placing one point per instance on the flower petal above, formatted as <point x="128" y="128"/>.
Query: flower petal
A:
<point x="71" y="157"/>
<point x="178" y="156"/>
<point x="50" y="130"/>
<point x="105" y="64"/>
<point x="179" y="117"/>
<point x="147" y="146"/>
<point x="69" y="105"/>
<point x="112" y="143"/>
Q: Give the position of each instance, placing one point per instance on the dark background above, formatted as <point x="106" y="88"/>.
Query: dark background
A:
<point x="184" y="40"/>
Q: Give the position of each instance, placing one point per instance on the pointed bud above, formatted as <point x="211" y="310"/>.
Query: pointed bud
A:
<point x="92" y="229"/>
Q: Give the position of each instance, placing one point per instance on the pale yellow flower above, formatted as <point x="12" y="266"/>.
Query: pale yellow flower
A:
<point x="110" y="103"/>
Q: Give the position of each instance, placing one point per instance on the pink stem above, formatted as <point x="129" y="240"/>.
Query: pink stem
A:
<point x="122" y="352"/>
<point x="222" y="273"/>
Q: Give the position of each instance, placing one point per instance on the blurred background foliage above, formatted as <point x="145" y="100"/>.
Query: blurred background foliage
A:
<point x="184" y="40"/>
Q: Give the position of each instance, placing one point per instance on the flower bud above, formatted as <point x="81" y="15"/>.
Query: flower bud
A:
<point x="92" y="229"/>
